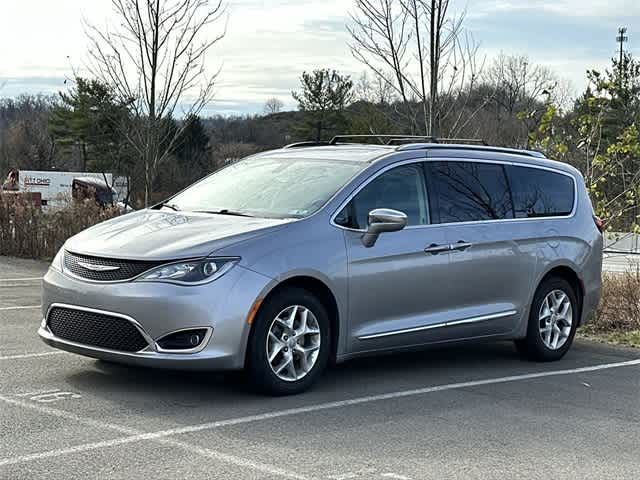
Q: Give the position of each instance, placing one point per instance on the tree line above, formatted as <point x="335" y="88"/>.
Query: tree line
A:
<point x="423" y="74"/>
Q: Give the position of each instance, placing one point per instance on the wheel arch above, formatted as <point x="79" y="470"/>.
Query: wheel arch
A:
<point x="322" y="291"/>
<point x="569" y="274"/>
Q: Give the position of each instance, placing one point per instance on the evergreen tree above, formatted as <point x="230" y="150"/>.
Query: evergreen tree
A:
<point x="325" y="95"/>
<point x="90" y="117"/>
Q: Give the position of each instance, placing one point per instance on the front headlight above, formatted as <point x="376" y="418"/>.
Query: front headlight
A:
<point x="56" y="264"/>
<point x="191" y="272"/>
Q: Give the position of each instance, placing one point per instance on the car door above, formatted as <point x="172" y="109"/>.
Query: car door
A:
<point x="397" y="290"/>
<point x="492" y="266"/>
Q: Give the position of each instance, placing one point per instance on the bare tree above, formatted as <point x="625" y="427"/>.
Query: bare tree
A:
<point x="153" y="56"/>
<point x="273" y="105"/>
<point x="225" y="153"/>
<point x="414" y="43"/>
<point x="376" y="90"/>
<point x="523" y="90"/>
<point x="25" y="141"/>
<point x="519" y="81"/>
<point x="380" y="38"/>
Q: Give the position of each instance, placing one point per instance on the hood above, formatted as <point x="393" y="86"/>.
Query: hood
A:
<point x="162" y="235"/>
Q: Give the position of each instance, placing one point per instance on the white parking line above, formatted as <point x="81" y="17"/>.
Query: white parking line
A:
<point x="395" y="476"/>
<point x="18" y="402"/>
<point x="21" y="307"/>
<point x="29" y="279"/>
<point x="194" y="449"/>
<point x="162" y="434"/>
<point x="206" y="452"/>
<point x="31" y="355"/>
<point x="39" y="392"/>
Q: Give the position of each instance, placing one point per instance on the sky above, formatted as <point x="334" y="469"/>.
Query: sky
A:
<point x="270" y="42"/>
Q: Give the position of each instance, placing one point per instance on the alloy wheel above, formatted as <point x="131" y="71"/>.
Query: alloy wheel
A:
<point x="555" y="319"/>
<point x="293" y="343"/>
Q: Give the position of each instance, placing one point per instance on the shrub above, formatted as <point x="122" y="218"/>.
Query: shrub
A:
<point x="28" y="231"/>
<point x="619" y="308"/>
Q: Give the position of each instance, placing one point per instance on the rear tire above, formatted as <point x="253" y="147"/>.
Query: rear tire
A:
<point x="290" y="343"/>
<point x="553" y="320"/>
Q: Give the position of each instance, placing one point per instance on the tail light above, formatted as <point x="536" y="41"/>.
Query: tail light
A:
<point x="599" y="223"/>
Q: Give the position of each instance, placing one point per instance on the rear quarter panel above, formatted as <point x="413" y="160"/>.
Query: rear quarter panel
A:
<point x="575" y="243"/>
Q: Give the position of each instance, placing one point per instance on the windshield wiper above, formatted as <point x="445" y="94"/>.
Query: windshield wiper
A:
<point x="225" y="211"/>
<point x="172" y="206"/>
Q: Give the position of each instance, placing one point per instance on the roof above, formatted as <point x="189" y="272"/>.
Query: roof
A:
<point x="340" y="152"/>
<point x="370" y="153"/>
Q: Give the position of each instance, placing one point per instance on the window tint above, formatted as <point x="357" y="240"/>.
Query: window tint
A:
<point x="401" y="189"/>
<point x="470" y="191"/>
<point x="540" y="193"/>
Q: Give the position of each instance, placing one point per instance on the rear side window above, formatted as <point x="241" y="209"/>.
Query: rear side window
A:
<point x="401" y="188"/>
<point x="540" y="193"/>
<point x="469" y="191"/>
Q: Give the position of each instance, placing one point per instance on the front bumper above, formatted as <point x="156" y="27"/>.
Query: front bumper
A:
<point x="158" y="309"/>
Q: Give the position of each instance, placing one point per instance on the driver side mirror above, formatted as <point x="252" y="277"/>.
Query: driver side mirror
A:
<point x="383" y="220"/>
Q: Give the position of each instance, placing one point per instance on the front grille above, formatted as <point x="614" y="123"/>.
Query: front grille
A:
<point x="126" y="269"/>
<point x="95" y="329"/>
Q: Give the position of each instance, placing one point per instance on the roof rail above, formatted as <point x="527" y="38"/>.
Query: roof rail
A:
<point x="306" y="144"/>
<point x="408" y="142"/>
<point x="536" y="153"/>
<point x="380" y="138"/>
<point x="441" y="140"/>
<point x="484" y="148"/>
<point x="400" y="139"/>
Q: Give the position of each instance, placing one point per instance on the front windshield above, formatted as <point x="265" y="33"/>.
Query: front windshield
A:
<point x="268" y="187"/>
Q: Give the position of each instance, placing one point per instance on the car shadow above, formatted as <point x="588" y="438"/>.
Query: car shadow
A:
<point x="417" y="368"/>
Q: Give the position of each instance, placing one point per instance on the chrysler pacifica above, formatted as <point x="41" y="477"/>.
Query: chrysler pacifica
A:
<point x="288" y="260"/>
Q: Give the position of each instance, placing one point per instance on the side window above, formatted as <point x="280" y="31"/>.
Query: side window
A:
<point x="469" y="191"/>
<point x="401" y="188"/>
<point x="540" y="193"/>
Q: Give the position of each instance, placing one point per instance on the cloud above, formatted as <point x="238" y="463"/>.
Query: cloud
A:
<point x="270" y="42"/>
<point x="599" y="9"/>
<point x="569" y="36"/>
<point x="16" y="86"/>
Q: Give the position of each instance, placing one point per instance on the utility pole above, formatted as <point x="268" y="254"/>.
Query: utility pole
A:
<point x="434" y="46"/>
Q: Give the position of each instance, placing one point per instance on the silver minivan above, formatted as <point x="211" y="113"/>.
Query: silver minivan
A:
<point x="292" y="259"/>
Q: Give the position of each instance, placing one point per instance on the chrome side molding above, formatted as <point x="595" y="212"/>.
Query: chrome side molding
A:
<point x="482" y="318"/>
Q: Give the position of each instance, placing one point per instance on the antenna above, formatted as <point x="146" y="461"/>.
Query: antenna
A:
<point x="621" y="39"/>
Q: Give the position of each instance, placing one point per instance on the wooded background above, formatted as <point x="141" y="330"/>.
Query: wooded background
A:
<point x="137" y="110"/>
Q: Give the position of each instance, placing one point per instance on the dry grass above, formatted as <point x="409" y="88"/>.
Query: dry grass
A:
<point x="628" y="339"/>
<point x="617" y="319"/>
<point x="28" y="231"/>
<point x="619" y="308"/>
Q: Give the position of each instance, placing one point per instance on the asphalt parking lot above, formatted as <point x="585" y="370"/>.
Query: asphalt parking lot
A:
<point x="475" y="411"/>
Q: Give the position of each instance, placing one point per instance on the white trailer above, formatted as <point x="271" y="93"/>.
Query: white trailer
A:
<point x="55" y="187"/>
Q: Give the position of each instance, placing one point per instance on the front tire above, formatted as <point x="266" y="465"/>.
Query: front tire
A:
<point x="553" y="320"/>
<point x="290" y="343"/>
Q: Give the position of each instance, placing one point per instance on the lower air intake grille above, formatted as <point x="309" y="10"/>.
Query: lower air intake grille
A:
<point x="95" y="329"/>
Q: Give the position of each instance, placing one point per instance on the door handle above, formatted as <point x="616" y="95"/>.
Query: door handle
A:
<point x="460" y="246"/>
<point x="435" y="249"/>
